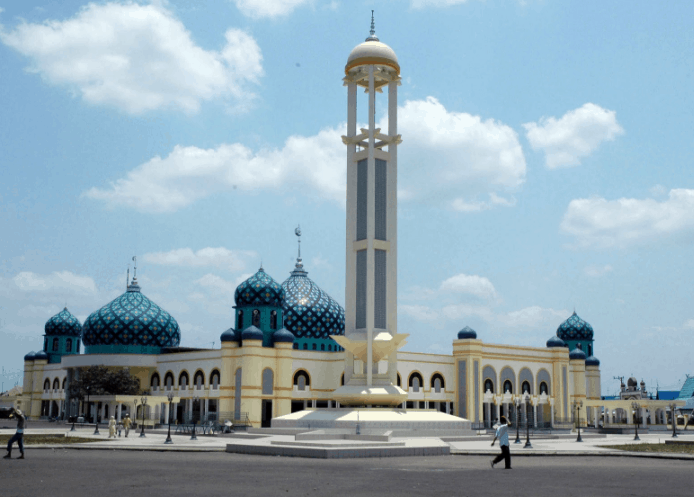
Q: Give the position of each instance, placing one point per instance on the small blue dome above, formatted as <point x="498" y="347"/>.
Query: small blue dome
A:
<point x="259" y="289"/>
<point x="555" y="341"/>
<point x="592" y="361"/>
<point x="283" y="336"/>
<point x="252" y="333"/>
<point x="30" y="356"/>
<point x="40" y="356"/>
<point x="575" y="328"/>
<point x="64" y="324"/>
<point x="577" y="354"/>
<point x="230" y="336"/>
<point x="466" y="333"/>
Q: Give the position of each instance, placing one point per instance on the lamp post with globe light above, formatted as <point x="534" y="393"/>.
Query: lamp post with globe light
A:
<point x="192" y="421"/>
<point x="517" y="404"/>
<point x="636" y="406"/>
<point x="527" y="423"/>
<point x="578" y="405"/>
<point x="143" y="401"/>
<point x="674" y="420"/>
<point x="170" y="396"/>
<point x="74" y="417"/>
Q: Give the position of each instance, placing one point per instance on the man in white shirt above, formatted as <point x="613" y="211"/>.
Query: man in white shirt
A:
<point x="19" y="436"/>
<point x="502" y="435"/>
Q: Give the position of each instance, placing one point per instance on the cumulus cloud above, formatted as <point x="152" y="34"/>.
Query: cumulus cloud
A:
<point x="137" y="58"/>
<point x="596" y="271"/>
<point x="478" y="286"/>
<point x="577" y="134"/>
<point x="217" y="284"/>
<point x="58" y="281"/>
<point x="232" y="260"/>
<point x="421" y="4"/>
<point x="419" y="312"/>
<point x="269" y="8"/>
<point x="532" y="317"/>
<point x="447" y="158"/>
<point x="689" y="324"/>
<point x="597" y="222"/>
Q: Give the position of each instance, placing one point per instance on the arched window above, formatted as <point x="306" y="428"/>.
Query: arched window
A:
<point x="45" y="344"/>
<point x="525" y="387"/>
<point x="313" y="346"/>
<point x="544" y="388"/>
<point x="183" y="380"/>
<point x="342" y="379"/>
<point x="214" y="379"/>
<point x="296" y="346"/>
<point x="78" y="346"/>
<point x="169" y="380"/>
<point x="268" y="381"/>
<point x="239" y="319"/>
<point x="305" y="346"/>
<point x="64" y="380"/>
<point x="199" y="379"/>
<point x="399" y="380"/>
<point x="488" y="386"/>
<point x="154" y="382"/>
<point x="256" y="318"/>
<point x="273" y="320"/>
<point x="415" y="381"/>
<point x="68" y="345"/>
<point x="46" y="385"/>
<point x="56" y="344"/>
<point x="330" y="348"/>
<point x="590" y="350"/>
<point x="437" y="383"/>
<point x="302" y="380"/>
<point x="56" y="384"/>
<point x="322" y="346"/>
<point x="508" y="386"/>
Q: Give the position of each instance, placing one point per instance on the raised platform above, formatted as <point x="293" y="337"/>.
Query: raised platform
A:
<point x="402" y="423"/>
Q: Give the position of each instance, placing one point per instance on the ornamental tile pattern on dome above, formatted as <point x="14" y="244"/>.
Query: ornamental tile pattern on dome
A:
<point x="309" y="312"/>
<point x="259" y="289"/>
<point x="575" y="328"/>
<point x="64" y="324"/>
<point x="131" y="319"/>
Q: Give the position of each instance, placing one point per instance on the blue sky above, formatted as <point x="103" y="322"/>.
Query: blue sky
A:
<point x="546" y="165"/>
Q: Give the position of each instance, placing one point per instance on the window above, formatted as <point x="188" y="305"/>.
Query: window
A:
<point x="46" y="385"/>
<point x="415" y="381"/>
<point x="544" y="389"/>
<point x="399" y="380"/>
<point x="214" y="379"/>
<point x="56" y="384"/>
<point x="155" y="380"/>
<point x="330" y="348"/>
<point x="68" y="345"/>
<point x="168" y="381"/>
<point x="273" y="320"/>
<point x="199" y="380"/>
<point x="239" y="320"/>
<point x="437" y="383"/>
<point x="78" y="346"/>
<point x="508" y="386"/>
<point x="305" y="346"/>
<point x="322" y="346"/>
<point x="296" y="346"/>
<point x="525" y="387"/>
<point x="64" y="380"/>
<point x="56" y="344"/>
<point x="301" y="380"/>
<point x="488" y="386"/>
<point x="268" y="381"/>
<point x="256" y="318"/>
<point x="313" y="346"/>
<point x="183" y="380"/>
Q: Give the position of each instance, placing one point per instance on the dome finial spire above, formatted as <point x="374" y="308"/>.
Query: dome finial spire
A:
<point x="372" y="32"/>
<point x="134" y="269"/>
<point x="297" y="232"/>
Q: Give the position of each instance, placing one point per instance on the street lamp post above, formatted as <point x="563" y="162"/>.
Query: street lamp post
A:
<point x="517" y="403"/>
<point x="143" y="401"/>
<point x="527" y="424"/>
<point x="168" y="436"/>
<point x="89" y="416"/>
<point x="192" y="421"/>
<point x="74" y="417"/>
<point x="635" y="406"/>
<point x="674" y="420"/>
<point x="578" y="405"/>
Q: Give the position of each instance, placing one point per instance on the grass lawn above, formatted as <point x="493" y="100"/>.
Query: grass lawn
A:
<point x="669" y="448"/>
<point x="49" y="440"/>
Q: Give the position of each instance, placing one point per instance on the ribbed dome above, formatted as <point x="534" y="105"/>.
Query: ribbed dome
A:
<point x="230" y="335"/>
<point x="252" y="333"/>
<point x="467" y="333"/>
<point x="30" y="356"/>
<point x="575" y="328"/>
<point x="131" y="320"/>
<point x="259" y="289"/>
<point x="592" y="361"/>
<point x="282" y="336"/>
<point x="40" y="356"/>
<point x="309" y="312"/>
<point x="555" y="341"/>
<point x="64" y="324"/>
<point x="577" y="354"/>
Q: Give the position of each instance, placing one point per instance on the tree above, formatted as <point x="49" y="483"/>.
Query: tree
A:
<point x="102" y="381"/>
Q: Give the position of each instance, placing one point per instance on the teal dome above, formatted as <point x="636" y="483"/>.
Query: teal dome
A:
<point x="555" y="341"/>
<point x="230" y="336"/>
<point x="283" y="336"/>
<point x="592" y="361"/>
<point x="64" y="324"/>
<point x="575" y="328"/>
<point x="40" y="356"/>
<point x="467" y="333"/>
<point x="259" y="289"/>
<point x="130" y="324"/>
<point x="30" y="356"/>
<point x="577" y="354"/>
<point x="252" y="333"/>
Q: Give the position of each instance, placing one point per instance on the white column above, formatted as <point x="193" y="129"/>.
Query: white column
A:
<point x="370" y="230"/>
<point x="351" y="265"/>
<point x="551" y="410"/>
<point x="498" y="412"/>
<point x="644" y="415"/>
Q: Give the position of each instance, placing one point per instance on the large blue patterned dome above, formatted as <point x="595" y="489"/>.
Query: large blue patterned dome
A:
<point x="259" y="289"/>
<point x="310" y="314"/>
<point x="64" y="324"/>
<point x="130" y="324"/>
<point x="575" y="328"/>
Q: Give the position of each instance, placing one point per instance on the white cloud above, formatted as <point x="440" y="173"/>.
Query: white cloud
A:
<point x="461" y="311"/>
<point x="470" y="284"/>
<point x="39" y="311"/>
<point x="597" y="222"/>
<point x="58" y="281"/>
<point x="462" y="205"/>
<point x="577" y="134"/>
<point x="137" y="58"/>
<point x="217" y="284"/>
<point x="596" y="271"/>
<point x="532" y="317"/>
<point x="689" y="324"/>
<point x="269" y="8"/>
<point x="420" y="4"/>
<point x="419" y="312"/>
<point x="232" y="260"/>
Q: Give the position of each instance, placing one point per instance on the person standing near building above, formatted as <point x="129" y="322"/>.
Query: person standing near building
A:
<point x="112" y="427"/>
<point x="502" y="435"/>
<point x="19" y="436"/>
<point x="127" y="423"/>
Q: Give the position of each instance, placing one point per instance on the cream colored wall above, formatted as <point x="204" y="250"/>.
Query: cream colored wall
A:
<point x="593" y="390"/>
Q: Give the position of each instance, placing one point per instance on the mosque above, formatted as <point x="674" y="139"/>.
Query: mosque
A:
<point x="291" y="347"/>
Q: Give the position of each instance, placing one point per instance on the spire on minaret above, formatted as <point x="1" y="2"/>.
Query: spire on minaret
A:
<point x="372" y="32"/>
<point x="299" y="266"/>
<point x="133" y="286"/>
<point x="134" y="269"/>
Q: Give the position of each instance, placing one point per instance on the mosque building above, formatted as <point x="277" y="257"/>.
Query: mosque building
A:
<point x="282" y="353"/>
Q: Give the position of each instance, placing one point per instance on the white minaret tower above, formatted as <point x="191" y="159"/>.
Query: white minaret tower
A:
<point x="371" y="282"/>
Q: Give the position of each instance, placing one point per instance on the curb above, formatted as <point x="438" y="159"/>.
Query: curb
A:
<point x="548" y="453"/>
<point x="131" y="448"/>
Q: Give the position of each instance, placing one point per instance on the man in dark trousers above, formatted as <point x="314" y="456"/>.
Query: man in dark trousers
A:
<point x="19" y="436"/>
<point x="502" y="435"/>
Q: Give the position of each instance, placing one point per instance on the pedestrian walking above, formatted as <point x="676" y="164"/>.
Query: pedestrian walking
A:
<point x="19" y="436"/>
<point x="112" y="427"/>
<point x="502" y="435"/>
<point x="127" y="423"/>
